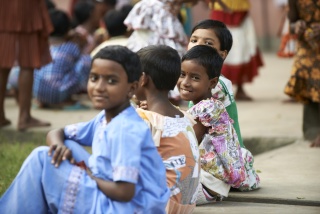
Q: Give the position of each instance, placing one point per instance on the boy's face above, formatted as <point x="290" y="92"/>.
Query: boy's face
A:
<point x="194" y="83"/>
<point x="206" y="37"/>
<point x="108" y="86"/>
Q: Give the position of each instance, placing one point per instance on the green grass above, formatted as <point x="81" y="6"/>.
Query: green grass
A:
<point x="14" y="149"/>
<point x="12" y="155"/>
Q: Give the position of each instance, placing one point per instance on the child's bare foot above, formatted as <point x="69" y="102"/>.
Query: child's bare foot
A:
<point x="32" y="123"/>
<point x="4" y="122"/>
<point x="242" y="97"/>
<point x="316" y="142"/>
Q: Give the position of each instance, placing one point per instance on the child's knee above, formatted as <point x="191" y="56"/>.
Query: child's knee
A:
<point x="40" y="149"/>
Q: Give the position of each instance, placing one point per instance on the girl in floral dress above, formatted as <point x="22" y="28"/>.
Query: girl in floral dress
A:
<point x="216" y="34"/>
<point x="220" y="153"/>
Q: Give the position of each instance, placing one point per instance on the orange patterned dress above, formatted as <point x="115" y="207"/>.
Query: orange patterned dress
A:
<point x="304" y="82"/>
<point x="178" y="147"/>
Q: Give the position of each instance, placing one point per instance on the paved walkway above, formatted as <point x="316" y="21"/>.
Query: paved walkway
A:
<point x="289" y="174"/>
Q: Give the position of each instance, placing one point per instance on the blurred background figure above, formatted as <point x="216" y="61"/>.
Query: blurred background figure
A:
<point x="244" y="59"/>
<point x="68" y="73"/>
<point x="86" y="21"/>
<point x="304" y="82"/>
<point x="156" y="22"/>
<point x="117" y="30"/>
<point x="24" y="30"/>
<point x="288" y="40"/>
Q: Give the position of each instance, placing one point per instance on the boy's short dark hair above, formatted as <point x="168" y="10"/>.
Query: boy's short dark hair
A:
<point x="162" y="63"/>
<point x="129" y="60"/>
<point x="114" y="21"/>
<point x="60" y="22"/>
<point x="207" y="57"/>
<point x="220" y="29"/>
<point x="82" y="11"/>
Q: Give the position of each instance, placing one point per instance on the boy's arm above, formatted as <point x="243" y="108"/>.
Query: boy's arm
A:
<point x="55" y="140"/>
<point x="119" y="191"/>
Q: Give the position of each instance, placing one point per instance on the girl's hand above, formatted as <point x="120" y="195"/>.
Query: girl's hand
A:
<point x="143" y="105"/>
<point x="61" y="153"/>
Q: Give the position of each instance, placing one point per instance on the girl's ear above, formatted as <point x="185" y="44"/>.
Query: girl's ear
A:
<point x="214" y="82"/>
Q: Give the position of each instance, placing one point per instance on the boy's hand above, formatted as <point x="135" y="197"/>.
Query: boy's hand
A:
<point x="61" y="153"/>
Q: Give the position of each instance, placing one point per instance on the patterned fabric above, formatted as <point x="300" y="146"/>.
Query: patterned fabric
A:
<point x="220" y="152"/>
<point x="304" y="82"/>
<point x="224" y="92"/>
<point x="66" y="75"/>
<point x="155" y="22"/>
<point x="178" y="147"/>
<point x="123" y="150"/>
<point x="252" y="180"/>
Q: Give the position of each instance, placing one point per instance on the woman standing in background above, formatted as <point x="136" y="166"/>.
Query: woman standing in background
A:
<point x="304" y="82"/>
<point x="244" y="59"/>
<point x="24" y="30"/>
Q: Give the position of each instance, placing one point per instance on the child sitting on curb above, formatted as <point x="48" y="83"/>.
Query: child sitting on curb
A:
<point x="171" y="128"/>
<point x="125" y="173"/>
<point x="215" y="34"/>
<point x="220" y="152"/>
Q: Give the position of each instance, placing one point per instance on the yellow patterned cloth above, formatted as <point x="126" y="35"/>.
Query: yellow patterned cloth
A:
<point x="235" y="5"/>
<point x="304" y="82"/>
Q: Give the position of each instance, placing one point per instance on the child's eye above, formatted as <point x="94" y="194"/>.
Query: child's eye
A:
<point x="93" y="77"/>
<point x="209" y="43"/>
<point x="193" y="40"/>
<point x="182" y="75"/>
<point x="196" y="78"/>
<point x="112" y="81"/>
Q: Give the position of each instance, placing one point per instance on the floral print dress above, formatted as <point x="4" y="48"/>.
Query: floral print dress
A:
<point x="220" y="151"/>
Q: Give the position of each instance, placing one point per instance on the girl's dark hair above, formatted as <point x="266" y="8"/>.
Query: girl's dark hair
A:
<point x="125" y="57"/>
<point x="60" y="22"/>
<point x="220" y="29"/>
<point x="207" y="57"/>
<point x="162" y="63"/>
<point x="82" y="12"/>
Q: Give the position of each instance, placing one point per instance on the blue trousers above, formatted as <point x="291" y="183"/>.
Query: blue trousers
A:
<point x="39" y="186"/>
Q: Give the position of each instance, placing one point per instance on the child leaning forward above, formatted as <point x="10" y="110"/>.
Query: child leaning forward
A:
<point x="125" y="172"/>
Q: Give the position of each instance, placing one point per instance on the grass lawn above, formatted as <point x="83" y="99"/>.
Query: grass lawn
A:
<point x="14" y="148"/>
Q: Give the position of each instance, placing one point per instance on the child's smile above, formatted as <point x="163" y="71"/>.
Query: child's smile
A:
<point x="193" y="83"/>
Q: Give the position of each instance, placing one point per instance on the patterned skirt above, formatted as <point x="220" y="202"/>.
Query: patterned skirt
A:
<point x="304" y="81"/>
